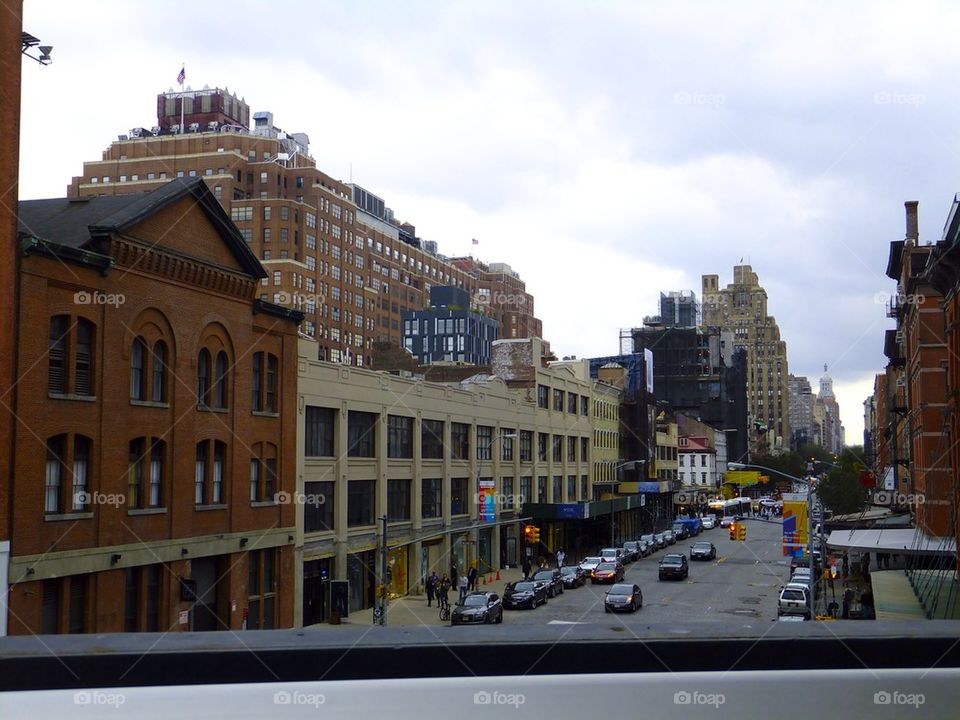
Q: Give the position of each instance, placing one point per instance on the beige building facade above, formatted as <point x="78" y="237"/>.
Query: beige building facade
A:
<point x="450" y="465"/>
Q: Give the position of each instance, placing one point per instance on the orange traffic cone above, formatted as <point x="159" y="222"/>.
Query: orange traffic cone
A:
<point x="498" y="575"/>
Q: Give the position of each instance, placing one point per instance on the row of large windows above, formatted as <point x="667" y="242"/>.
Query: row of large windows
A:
<point x="320" y="424"/>
<point x="71" y="369"/>
<point x="574" y="403"/>
<point x="320" y="498"/>
<point x="68" y="474"/>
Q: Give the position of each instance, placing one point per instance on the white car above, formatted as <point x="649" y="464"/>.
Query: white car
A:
<point x="726" y="521"/>
<point x="589" y="564"/>
<point x="709" y="522"/>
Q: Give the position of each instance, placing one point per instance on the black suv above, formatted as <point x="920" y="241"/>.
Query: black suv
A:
<point x="553" y="580"/>
<point x="674" y="565"/>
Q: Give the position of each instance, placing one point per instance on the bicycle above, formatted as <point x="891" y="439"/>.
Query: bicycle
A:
<point x="444" y="610"/>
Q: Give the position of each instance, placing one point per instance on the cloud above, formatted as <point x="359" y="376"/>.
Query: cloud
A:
<point x="606" y="153"/>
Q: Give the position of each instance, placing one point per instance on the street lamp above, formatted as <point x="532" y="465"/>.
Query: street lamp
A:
<point x="809" y="484"/>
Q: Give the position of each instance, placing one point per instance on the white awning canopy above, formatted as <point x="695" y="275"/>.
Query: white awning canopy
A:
<point x="895" y="540"/>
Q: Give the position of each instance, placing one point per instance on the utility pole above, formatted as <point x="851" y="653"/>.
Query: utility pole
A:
<point x="380" y="616"/>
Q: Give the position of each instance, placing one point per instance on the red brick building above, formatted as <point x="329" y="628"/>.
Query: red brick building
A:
<point x="943" y="273"/>
<point x="919" y="388"/>
<point x="11" y="29"/>
<point x="156" y="409"/>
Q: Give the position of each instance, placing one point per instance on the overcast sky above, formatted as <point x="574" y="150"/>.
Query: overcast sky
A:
<point x="605" y="150"/>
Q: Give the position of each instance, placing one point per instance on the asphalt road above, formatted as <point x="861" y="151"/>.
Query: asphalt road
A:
<point x="739" y="588"/>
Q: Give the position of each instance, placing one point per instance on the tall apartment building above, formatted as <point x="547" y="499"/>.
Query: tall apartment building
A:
<point x="741" y="308"/>
<point x="803" y="431"/>
<point x="157" y="406"/>
<point x="332" y="250"/>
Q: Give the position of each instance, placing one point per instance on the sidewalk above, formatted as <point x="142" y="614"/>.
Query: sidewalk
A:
<point x="412" y="610"/>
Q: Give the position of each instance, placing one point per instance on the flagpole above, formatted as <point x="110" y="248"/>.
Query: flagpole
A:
<point x="183" y="100"/>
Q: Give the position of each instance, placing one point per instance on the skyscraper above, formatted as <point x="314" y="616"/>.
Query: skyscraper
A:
<point x="741" y="308"/>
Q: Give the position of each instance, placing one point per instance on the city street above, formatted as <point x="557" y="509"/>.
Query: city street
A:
<point x="742" y="583"/>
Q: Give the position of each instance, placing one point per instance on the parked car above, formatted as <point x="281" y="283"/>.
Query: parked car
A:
<point x="588" y="564"/>
<point x="678" y="534"/>
<point x="670" y="537"/>
<point x="553" y="580"/>
<point x="623" y="597"/>
<point x="631" y="550"/>
<point x="674" y="565"/>
<point x="651" y="541"/>
<point x="573" y="576"/>
<point x="801" y="576"/>
<point x="660" y="540"/>
<point x="607" y="572"/>
<point x="794" y="600"/>
<point x="478" y="607"/>
<point x="693" y="526"/>
<point x="680" y="531"/>
<point x="703" y="550"/>
<point x="644" y="546"/>
<point x="524" y="593"/>
<point x="612" y="555"/>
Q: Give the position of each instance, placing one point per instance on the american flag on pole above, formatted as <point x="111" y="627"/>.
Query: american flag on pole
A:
<point x="182" y="76"/>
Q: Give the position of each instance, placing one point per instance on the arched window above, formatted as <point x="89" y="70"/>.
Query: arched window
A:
<point x="83" y="362"/>
<point x="203" y="378"/>
<point x="138" y="369"/>
<point x="58" y="354"/>
<point x="159" y="371"/>
<point x="220" y="381"/>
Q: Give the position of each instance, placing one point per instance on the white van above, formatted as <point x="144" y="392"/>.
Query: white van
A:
<point x="794" y="600"/>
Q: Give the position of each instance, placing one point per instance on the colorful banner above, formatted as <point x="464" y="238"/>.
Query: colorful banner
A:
<point x="488" y="500"/>
<point x="794" y="524"/>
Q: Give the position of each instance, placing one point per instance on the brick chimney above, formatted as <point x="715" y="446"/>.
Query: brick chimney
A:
<point x="913" y="228"/>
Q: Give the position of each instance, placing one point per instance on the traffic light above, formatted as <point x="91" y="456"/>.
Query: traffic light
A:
<point x="741" y="532"/>
<point x="535" y="535"/>
<point x="531" y="534"/>
<point x="733" y="531"/>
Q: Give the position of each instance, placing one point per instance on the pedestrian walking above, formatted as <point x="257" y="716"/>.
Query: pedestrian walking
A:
<point x="472" y="578"/>
<point x="526" y="568"/>
<point x="847" y="599"/>
<point x="430" y="587"/>
<point x="453" y="573"/>
<point x="464" y="584"/>
<point x="442" y="591"/>
<point x="561" y="556"/>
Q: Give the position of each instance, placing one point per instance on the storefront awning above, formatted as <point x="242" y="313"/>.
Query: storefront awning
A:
<point x="899" y="540"/>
